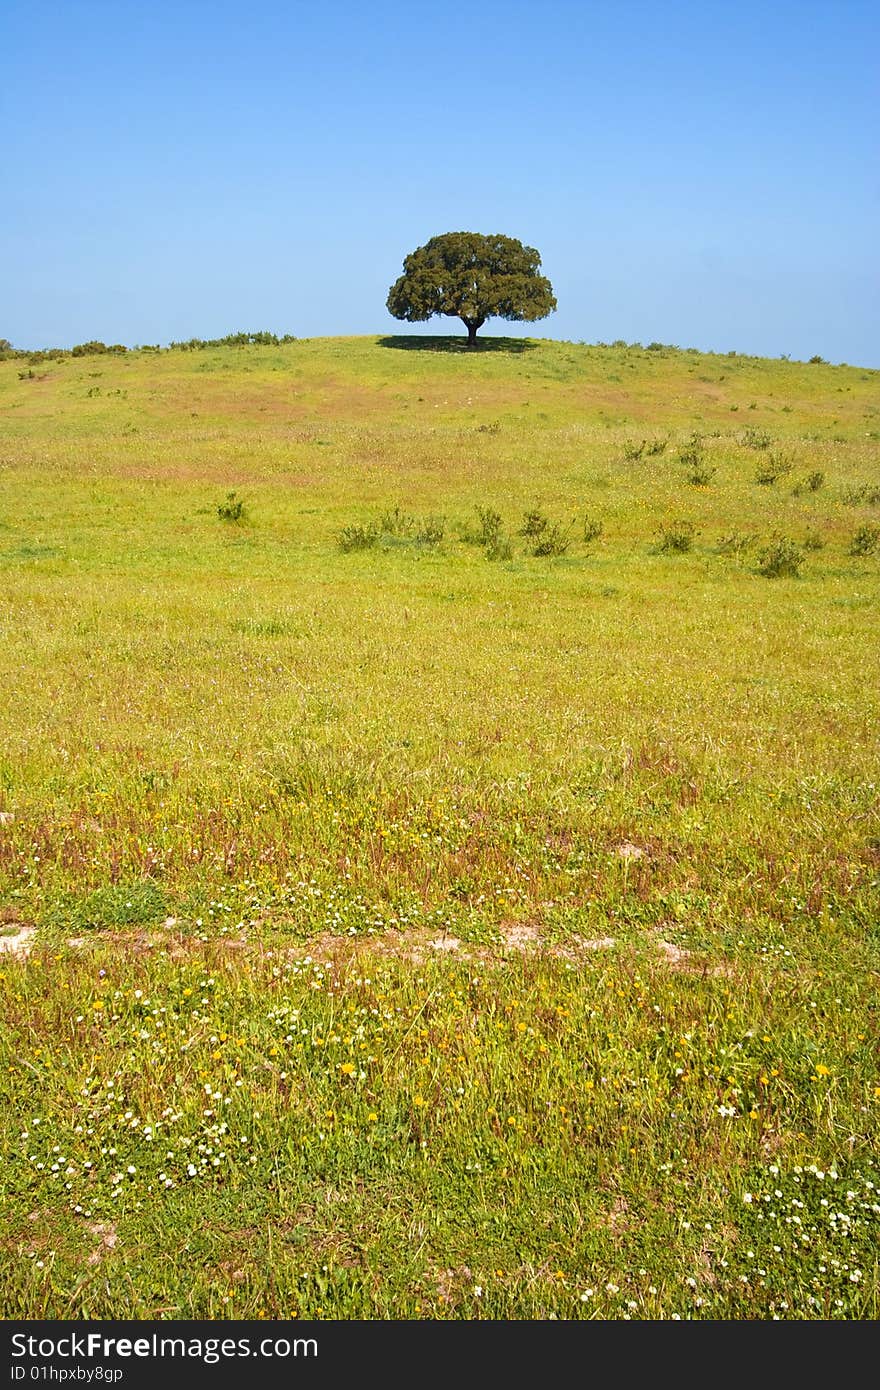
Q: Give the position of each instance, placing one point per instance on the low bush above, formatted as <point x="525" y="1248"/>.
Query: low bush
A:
<point x="756" y="439"/>
<point x="232" y="509"/>
<point x="782" y="558"/>
<point x="774" y="467"/>
<point x="489" y="525"/>
<point x="551" y="542"/>
<point x="534" y="524"/>
<point x="655" y="446"/>
<point x="499" y="547"/>
<point x="865" y="541"/>
<point x="397" y="523"/>
<point x="859" y="493"/>
<point x="431" y="531"/>
<point x="358" y="537"/>
<point x="677" y="537"/>
<point x="735" y="543"/>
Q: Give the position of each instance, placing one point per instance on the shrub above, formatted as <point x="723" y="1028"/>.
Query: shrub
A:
<point x="817" y="361"/>
<point x="490" y="525"/>
<point x="262" y="339"/>
<point x="89" y="349"/>
<point x="691" y="456"/>
<point x="552" y="541"/>
<point x="736" y="543"/>
<point x="865" y="541"/>
<point x="632" y="451"/>
<point x="691" y="453"/>
<point x="814" y="540"/>
<point x="358" y="537"/>
<point x="397" y="523"/>
<point x="534" y="524"/>
<point x="812" y="483"/>
<point x="782" y="558"/>
<point x="677" y="536"/>
<point x="854" y="496"/>
<point x="592" y="530"/>
<point x="774" y="467"/>
<point x="655" y="446"/>
<point x="499" y="547"/>
<point x="431" y="531"/>
<point x="756" y="439"/>
<point x="232" y="509"/>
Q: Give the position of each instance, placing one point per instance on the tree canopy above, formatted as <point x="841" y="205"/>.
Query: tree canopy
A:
<point x="472" y="277"/>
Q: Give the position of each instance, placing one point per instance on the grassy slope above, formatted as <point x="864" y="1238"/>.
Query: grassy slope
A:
<point x="241" y="727"/>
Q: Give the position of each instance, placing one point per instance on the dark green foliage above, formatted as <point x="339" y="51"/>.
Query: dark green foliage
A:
<point x="756" y="439"/>
<point x="397" y="523"/>
<point x="9" y="353"/>
<point x="490" y="526"/>
<point x="866" y="540"/>
<point x="431" y="531"/>
<point x="677" y="537"/>
<point x="812" y="483"/>
<point x="774" y="467"/>
<point x="781" y="559"/>
<point x="855" y="496"/>
<point x="735" y="543"/>
<point x="262" y="339"/>
<point x="632" y="451"/>
<point x="551" y="542"/>
<point x="592" y="529"/>
<point x="91" y="349"/>
<point x="655" y="446"/>
<point x="232" y="509"/>
<point x="499" y="548"/>
<point x="817" y="361"/>
<point x="814" y="540"/>
<point x="490" y="534"/>
<point x="534" y="524"/>
<point x="472" y="277"/>
<point x="358" y="537"/>
<point x="692" y="458"/>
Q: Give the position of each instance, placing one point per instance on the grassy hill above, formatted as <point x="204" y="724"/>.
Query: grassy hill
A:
<point x="464" y="917"/>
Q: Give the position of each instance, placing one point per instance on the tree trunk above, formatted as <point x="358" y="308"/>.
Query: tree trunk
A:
<point x="472" y="325"/>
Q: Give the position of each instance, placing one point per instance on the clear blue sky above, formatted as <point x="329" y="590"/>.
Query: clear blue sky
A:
<point x="699" y="173"/>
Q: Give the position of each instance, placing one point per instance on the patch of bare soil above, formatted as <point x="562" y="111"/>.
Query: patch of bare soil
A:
<point x="630" y="851"/>
<point x="680" y="958"/>
<point x="521" y="936"/>
<point x="106" y="1232"/>
<point x="16" y="940"/>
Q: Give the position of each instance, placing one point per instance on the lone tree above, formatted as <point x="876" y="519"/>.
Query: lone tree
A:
<point x="473" y="278"/>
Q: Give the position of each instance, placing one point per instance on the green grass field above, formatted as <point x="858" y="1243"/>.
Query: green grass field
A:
<point x="398" y="922"/>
